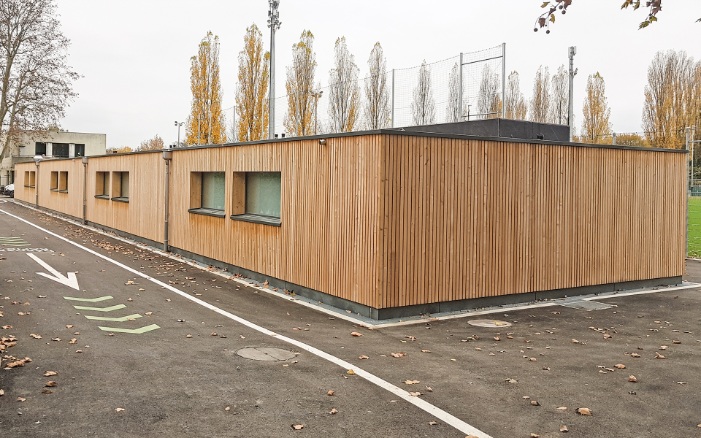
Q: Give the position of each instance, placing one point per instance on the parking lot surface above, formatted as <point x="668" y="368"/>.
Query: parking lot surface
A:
<point x="138" y="343"/>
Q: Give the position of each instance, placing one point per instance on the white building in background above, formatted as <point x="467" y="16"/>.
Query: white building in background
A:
<point x="51" y="144"/>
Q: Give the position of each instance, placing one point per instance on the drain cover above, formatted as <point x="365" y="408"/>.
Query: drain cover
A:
<point x="489" y="323"/>
<point x="265" y="354"/>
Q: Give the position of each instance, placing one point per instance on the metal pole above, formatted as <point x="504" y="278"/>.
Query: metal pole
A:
<point x="613" y="140"/>
<point x="688" y="189"/>
<point x="36" y="186"/>
<point x="85" y="190"/>
<point x="460" y="88"/>
<point x="167" y="156"/>
<point x="572" y="73"/>
<point x="393" y="98"/>
<point x="273" y="24"/>
<point x="503" y="80"/>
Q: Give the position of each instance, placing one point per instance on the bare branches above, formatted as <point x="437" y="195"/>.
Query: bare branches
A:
<point x="300" y="87"/>
<point x="377" y="103"/>
<point x="36" y="83"/>
<point x="344" y="93"/>
<point x="423" y="107"/>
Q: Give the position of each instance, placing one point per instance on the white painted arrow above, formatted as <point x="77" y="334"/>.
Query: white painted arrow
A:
<point x="70" y="280"/>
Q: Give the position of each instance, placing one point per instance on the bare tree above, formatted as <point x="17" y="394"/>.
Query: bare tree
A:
<point x="37" y="84"/>
<point x="540" y="101"/>
<point x="423" y="107"/>
<point x="344" y="93"/>
<point x="300" y="87"/>
<point x="377" y="109"/>
<point x="454" y="97"/>
<point x="672" y="98"/>
<point x="516" y="108"/>
<point x="596" y="126"/>
<point x="559" y="96"/>
<point x="488" y="98"/>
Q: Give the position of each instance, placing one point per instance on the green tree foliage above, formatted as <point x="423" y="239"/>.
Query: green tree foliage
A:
<point x="36" y="82"/>
<point x="300" y="87"/>
<point x="252" y="106"/>
<point x="206" y="122"/>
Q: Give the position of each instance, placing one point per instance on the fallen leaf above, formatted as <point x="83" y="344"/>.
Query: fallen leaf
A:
<point x="535" y="403"/>
<point x="411" y="382"/>
<point x="400" y="354"/>
<point x="425" y="351"/>
<point x="21" y="399"/>
<point x="676" y="342"/>
<point x="298" y="426"/>
<point x="330" y="392"/>
<point x="73" y="341"/>
<point x="119" y="409"/>
<point x="620" y="366"/>
<point x="497" y="338"/>
<point x="350" y="372"/>
<point x="583" y="411"/>
<point x="574" y="341"/>
<point x="564" y="429"/>
<point x="214" y="334"/>
<point x="35" y="336"/>
<point x="429" y="389"/>
<point x="659" y="356"/>
<point x="663" y="347"/>
<point x="432" y="423"/>
<point x="78" y="351"/>
<point x="50" y="384"/>
<point x="333" y="411"/>
<point x="228" y="408"/>
<point x="512" y="380"/>
<point x="47" y="391"/>
<point x="632" y="379"/>
<point x="636" y="355"/>
<point x="363" y="357"/>
<point x="50" y="373"/>
<point x="562" y="408"/>
<point x="2" y="392"/>
<point x="69" y="326"/>
<point x="356" y="334"/>
<point x="188" y="336"/>
<point x="415" y="394"/>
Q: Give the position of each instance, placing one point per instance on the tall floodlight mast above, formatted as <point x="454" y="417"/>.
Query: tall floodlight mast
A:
<point x="274" y="24"/>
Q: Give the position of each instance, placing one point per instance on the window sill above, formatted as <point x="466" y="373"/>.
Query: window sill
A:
<point x="59" y="191"/>
<point x="207" y="212"/>
<point x="30" y="187"/>
<point x="105" y="197"/>
<point x="258" y="219"/>
<point x="121" y="199"/>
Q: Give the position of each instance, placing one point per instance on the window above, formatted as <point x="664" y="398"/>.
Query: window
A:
<point x="120" y="186"/>
<point x="63" y="182"/>
<point x="30" y="178"/>
<point x="54" y="181"/>
<point x="59" y="182"/>
<point x="60" y="150"/>
<point x="80" y="150"/>
<point x="207" y="193"/>
<point x="257" y="197"/>
<point x="39" y="148"/>
<point x="102" y="184"/>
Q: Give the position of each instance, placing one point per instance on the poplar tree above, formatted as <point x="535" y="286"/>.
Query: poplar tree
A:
<point x="540" y="101"/>
<point x="300" y="87"/>
<point x="596" y="127"/>
<point x="516" y="108"/>
<point x="377" y="103"/>
<point x="423" y="107"/>
<point x="252" y="105"/>
<point x="344" y="93"/>
<point x="488" y="98"/>
<point x="454" y="90"/>
<point x="559" y="96"/>
<point x="206" y="123"/>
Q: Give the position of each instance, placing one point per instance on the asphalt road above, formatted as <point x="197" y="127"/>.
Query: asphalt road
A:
<point x="167" y="362"/>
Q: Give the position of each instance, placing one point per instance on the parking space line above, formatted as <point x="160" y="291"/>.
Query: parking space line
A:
<point x="399" y="392"/>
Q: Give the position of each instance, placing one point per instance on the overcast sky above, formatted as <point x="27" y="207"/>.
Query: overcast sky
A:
<point x="134" y="56"/>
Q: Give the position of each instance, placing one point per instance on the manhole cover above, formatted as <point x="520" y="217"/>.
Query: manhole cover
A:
<point x="489" y="323"/>
<point x="266" y="354"/>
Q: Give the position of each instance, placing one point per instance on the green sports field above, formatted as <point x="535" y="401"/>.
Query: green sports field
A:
<point x="694" y="227"/>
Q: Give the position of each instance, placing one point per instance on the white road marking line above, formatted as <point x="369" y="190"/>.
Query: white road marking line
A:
<point x="69" y="280"/>
<point x="416" y="401"/>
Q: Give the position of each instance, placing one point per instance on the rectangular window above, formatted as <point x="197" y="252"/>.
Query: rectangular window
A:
<point x="102" y="184"/>
<point x="30" y="178"/>
<point x="80" y="150"/>
<point x="54" y="181"/>
<point x="257" y="197"/>
<point x="207" y="193"/>
<point x="60" y="150"/>
<point x="39" y="148"/>
<point x="63" y="182"/>
<point x="120" y="186"/>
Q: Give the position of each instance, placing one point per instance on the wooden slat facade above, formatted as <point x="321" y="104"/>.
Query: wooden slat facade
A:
<point x="389" y="220"/>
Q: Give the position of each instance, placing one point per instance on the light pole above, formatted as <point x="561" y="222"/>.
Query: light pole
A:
<point x="274" y="24"/>
<point x="316" y="95"/>
<point x="573" y="73"/>
<point x="178" y="124"/>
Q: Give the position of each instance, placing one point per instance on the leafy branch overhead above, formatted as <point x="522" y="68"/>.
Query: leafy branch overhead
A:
<point x="548" y="17"/>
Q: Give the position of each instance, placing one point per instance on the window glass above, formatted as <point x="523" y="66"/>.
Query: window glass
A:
<point x="80" y="150"/>
<point x="213" y="190"/>
<point x="124" y="192"/>
<point x="263" y="193"/>
<point x="60" y="150"/>
<point x="40" y="148"/>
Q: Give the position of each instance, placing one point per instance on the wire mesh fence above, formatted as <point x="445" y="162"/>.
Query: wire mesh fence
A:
<point x="467" y="69"/>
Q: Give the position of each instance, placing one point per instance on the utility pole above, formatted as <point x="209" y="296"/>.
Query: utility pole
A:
<point x="573" y="73"/>
<point x="274" y="24"/>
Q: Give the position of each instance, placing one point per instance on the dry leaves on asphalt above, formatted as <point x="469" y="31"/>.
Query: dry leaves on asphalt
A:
<point x="411" y="382"/>
<point x="356" y="334"/>
<point x="584" y="411"/>
<point x="50" y="384"/>
<point x="35" y="336"/>
<point x="564" y="429"/>
<point x="50" y="373"/>
<point x="333" y="411"/>
<point x="363" y="357"/>
<point x="397" y="355"/>
<point x="330" y="392"/>
<point x="632" y="379"/>
<point x="298" y="426"/>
